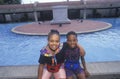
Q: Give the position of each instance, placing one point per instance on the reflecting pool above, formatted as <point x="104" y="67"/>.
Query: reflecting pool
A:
<point x="16" y="49"/>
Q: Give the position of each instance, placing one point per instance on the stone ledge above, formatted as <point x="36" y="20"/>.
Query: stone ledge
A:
<point x="101" y="70"/>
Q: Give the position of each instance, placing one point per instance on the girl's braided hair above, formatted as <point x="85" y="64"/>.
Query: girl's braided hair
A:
<point x="71" y="33"/>
<point x="52" y="32"/>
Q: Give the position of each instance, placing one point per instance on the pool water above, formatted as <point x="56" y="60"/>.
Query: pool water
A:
<point x="16" y="49"/>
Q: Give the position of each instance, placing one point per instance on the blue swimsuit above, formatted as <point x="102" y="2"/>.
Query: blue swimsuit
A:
<point x="72" y="64"/>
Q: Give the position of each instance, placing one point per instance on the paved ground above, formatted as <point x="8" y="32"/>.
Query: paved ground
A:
<point x="101" y="70"/>
<point x="76" y="25"/>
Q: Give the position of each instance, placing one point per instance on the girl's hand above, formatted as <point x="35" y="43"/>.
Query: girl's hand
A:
<point x="87" y="74"/>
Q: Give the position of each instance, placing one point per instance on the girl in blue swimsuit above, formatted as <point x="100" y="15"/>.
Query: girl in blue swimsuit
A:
<point x="72" y="52"/>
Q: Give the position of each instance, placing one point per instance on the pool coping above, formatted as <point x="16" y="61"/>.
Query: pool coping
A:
<point x="30" y="71"/>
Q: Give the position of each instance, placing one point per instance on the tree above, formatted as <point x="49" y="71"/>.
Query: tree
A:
<point x="1" y="2"/>
<point x="10" y="2"/>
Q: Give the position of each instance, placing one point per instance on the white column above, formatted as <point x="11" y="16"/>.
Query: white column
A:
<point x="67" y="0"/>
<point x="84" y="15"/>
<point x="35" y="16"/>
<point x="82" y="1"/>
<point x="35" y="13"/>
<point x="8" y="18"/>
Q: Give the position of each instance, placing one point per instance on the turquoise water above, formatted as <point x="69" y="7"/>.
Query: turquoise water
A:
<point x="18" y="49"/>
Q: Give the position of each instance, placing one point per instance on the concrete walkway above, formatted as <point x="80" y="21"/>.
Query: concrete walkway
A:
<point x="76" y="25"/>
<point x="102" y="70"/>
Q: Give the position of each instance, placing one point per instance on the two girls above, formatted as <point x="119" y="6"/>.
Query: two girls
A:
<point x="52" y="58"/>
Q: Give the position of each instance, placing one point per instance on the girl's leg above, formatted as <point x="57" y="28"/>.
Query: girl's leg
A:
<point x="46" y="74"/>
<point x="81" y="76"/>
<point x="70" y="77"/>
<point x="60" y="74"/>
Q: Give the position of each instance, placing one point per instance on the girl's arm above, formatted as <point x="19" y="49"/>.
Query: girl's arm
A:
<point x="87" y="74"/>
<point x="40" y="71"/>
<point x="83" y="62"/>
<point x="82" y="54"/>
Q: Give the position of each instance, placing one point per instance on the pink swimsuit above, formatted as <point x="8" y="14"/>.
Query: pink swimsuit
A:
<point x="58" y="75"/>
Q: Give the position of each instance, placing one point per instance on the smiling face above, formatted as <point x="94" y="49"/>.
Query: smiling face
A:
<point x="53" y="42"/>
<point x="72" y="41"/>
